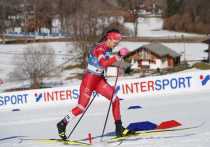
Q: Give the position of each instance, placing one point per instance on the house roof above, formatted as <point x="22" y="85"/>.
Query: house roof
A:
<point x="160" y="50"/>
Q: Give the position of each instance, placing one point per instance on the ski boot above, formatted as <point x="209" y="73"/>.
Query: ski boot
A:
<point x="121" y="131"/>
<point x="61" y="126"/>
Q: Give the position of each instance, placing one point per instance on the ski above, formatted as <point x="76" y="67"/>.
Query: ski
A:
<point x="151" y="133"/>
<point x="151" y="137"/>
<point x="138" y="135"/>
<point x="65" y="142"/>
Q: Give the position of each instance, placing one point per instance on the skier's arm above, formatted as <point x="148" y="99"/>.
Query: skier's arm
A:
<point x="106" y="62"/>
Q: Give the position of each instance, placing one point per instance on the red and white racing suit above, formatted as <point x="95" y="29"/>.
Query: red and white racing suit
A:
<point x="93" y="80"/>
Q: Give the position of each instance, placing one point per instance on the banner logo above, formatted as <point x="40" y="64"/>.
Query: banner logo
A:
<point x="16" y="99"/>
<point x="57" y="95"/>
<point x="172" y="83"/>
<point x="38" y="97"/>
<point x="204" y="79"/>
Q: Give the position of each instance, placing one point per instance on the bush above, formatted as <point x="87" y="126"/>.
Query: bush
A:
<point x="180" y="67"/>
<point x="202" y="66"/>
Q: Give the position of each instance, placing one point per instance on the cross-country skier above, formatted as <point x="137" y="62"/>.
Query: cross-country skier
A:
<point x="99" y="59"/>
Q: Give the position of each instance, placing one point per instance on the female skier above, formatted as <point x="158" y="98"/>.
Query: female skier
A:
<point x="99" y="59"/>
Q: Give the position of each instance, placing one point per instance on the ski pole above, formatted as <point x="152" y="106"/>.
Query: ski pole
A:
<point x="105" y="123"/>
<point x="81" y="116"/>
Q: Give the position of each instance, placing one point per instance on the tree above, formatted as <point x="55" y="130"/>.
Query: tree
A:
<point x="85" y="25"/>
<point x="194" y="15"/>
<point x="6" y="10"/>
<point x="173" y="7"/>
<point x="2" y="16"/>
<point x="129" y="5"/>
<point x="10" y="15"/>
<point x="37" y="64"/>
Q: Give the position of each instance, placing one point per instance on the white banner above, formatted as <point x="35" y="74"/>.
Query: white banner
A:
<point x="129" y="88"/>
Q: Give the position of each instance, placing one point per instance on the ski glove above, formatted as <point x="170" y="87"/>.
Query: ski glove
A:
<point x="123" y="52"/>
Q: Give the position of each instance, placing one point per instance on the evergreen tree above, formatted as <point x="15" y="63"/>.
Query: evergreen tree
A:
<point x="173" y="7"/>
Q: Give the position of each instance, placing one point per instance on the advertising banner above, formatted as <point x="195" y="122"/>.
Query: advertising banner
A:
<point x="128" y="88"/>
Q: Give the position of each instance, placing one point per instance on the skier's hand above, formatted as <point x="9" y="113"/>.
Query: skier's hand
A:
<point x="123" y="52"/>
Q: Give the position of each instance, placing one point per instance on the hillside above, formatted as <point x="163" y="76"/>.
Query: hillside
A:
<point x="188" y="16"/>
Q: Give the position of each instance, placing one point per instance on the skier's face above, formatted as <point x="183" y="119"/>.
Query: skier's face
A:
<point x="112" y="43"/>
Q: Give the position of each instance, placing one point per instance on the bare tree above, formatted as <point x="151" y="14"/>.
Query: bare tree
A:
<point x="2" y="18"/>
<point x="37" y="64"/>
<point x="83" y="26"/>
<point x="86" y="24"/>
<point x="6" y="8"/>
<point x="132" y="6"/>
<point x="10" y="15"/>
<point x="2" y="14"/>
<point x="64" y="9"/>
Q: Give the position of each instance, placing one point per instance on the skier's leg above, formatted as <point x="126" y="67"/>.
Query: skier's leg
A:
<point x="86" y="89"/>
<point x="88" y="84"/>
<point x="84" y="98"/>
<point x="107" y="91"/>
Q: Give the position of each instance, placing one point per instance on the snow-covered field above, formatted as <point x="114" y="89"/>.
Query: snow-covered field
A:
<point x="152" y="27"/>
<point x="17" y="128"/>
<point x="9" y="54"/>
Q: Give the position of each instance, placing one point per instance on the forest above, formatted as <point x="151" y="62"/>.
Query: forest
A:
<point x="188" y="16"/>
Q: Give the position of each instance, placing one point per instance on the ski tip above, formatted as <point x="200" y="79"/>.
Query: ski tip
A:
<point x="15" y="110"/>
<point x="134" y="107"/>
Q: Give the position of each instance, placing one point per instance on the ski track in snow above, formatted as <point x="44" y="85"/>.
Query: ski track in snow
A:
<point x="191" y="109"/>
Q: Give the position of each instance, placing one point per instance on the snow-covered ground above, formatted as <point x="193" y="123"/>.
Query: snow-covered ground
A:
<point x="152" y="27"/>
<point x="17" y="128"/>
<point x="9" y="54"/>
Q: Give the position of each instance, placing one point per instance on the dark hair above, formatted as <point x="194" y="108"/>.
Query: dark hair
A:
<point x="113" y="30"/>
<point x="104" y="34"/>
